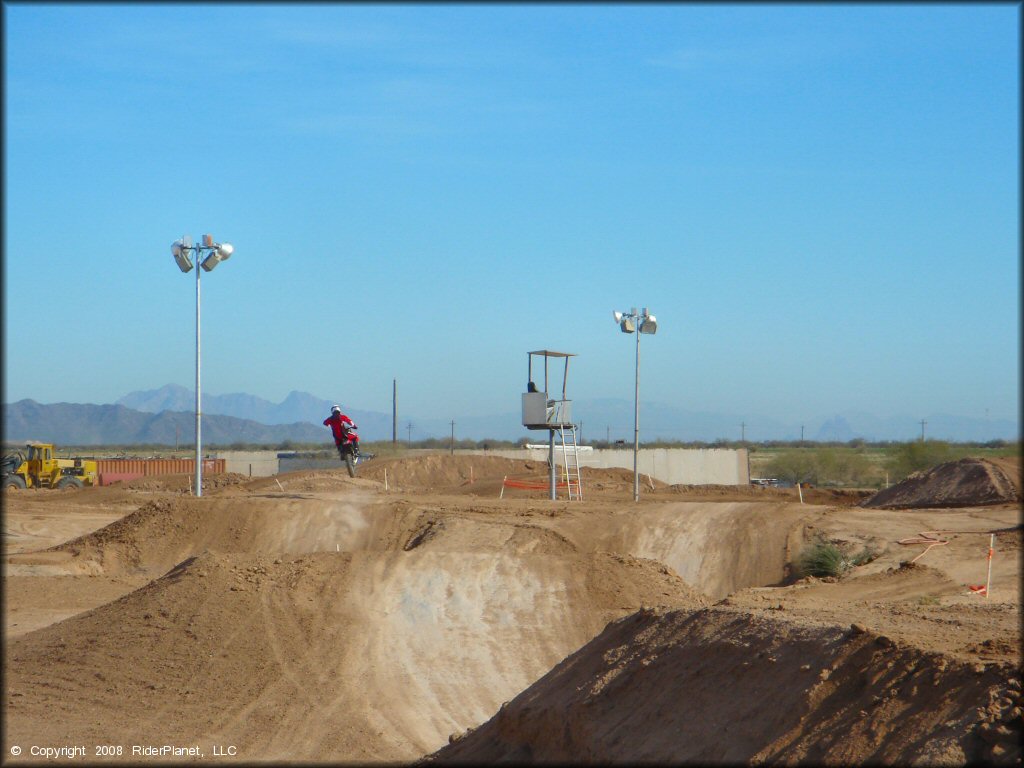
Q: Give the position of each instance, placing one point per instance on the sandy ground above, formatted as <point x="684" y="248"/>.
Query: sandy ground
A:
<point x="318" y="618"/>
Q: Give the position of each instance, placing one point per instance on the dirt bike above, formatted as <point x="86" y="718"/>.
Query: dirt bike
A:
<point x="348" y="449"/>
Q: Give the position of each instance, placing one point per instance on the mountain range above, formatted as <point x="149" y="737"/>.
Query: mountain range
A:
<point x="87" y="424"/>
<point x="166" y="416"/>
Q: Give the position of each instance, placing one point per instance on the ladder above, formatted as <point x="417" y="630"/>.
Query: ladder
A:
<point x="570" y="462"/>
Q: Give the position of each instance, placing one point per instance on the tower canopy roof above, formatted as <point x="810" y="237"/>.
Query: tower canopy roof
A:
<point x="550" y="353"/>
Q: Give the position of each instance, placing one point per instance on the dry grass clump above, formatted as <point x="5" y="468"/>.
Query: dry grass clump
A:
<point x="824" y="558"/>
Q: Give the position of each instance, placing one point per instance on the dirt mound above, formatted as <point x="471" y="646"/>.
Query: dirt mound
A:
<point x="174" y="657"/>
<point x="962" y="483"/>
<point x="718" y="686"/>
<point x="305" y="481"/>
<point x="166" y="530"/>
<point x="1011" y="466"/>
<point x="435" y="471"/>
<point x="277" y="654"/>
<point x="183" y="483"/>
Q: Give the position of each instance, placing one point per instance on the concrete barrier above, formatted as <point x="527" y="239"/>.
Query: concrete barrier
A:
<point x="250" y="463"/>
<point x="675" y="466"/>
<point x="296" y="464"/>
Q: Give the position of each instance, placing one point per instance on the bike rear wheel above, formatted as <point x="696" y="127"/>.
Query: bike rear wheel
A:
<point x="350" y="464"/>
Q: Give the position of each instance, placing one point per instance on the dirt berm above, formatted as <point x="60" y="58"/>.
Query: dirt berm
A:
<point x="963" y="483"/>
<point x="727" y="687"/>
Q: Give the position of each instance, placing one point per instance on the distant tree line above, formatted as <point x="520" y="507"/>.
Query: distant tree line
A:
<point x="874" y="464"/>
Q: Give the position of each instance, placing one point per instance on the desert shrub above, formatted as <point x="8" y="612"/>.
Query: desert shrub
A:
<point x="822" y="558"/>
<point x="907" y="458"/>
<point x="852" y="468"/>
<point x="794" y="467"/>
<point x="821" y="466"/>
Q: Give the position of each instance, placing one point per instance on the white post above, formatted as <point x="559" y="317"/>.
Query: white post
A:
<point x="551" y="452"/>
<point x="501" y="494"/>
<point x="988" y="580"/>
<point x="385" y="478"/>
<point x="800" y="491"/>
<point x="199" y="454"/>
<point x="636" y="420"/>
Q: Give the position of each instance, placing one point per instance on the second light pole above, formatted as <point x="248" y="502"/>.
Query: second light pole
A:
<point x="642" y="322"/>
<point x="208" y="255"/>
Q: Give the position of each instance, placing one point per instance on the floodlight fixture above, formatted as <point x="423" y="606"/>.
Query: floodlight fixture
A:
<point x="181" y="256"/>
<point x="222" y="253"/>
<point x="208" y="255"/>
<point x="643" y="322"/>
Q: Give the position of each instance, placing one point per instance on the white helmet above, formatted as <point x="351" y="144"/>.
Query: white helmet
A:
<point x="335" y="409"/>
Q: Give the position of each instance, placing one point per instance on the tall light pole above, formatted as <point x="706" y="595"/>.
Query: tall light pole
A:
<point x="208" y="255"/>
<point x="642" y="322"/>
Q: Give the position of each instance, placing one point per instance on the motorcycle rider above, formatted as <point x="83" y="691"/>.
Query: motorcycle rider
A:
<point x="341" y="425"/>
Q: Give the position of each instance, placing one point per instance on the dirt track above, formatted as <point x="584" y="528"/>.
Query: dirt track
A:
<point x="319" y="618"/>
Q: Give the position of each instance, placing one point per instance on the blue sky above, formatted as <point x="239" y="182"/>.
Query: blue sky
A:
<point x="819" y="203"/>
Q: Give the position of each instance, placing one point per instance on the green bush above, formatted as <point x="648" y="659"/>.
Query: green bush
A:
<point x="821" y="559"/>
<point x="824" y="558"/>
<point x="851" y="468"/>
<point x="907" y="458"/>
<point x="822" y="466"/>
<point x="796" y="466"/>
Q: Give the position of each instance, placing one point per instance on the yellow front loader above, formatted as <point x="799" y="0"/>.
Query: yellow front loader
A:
<point x="42" y="469"/>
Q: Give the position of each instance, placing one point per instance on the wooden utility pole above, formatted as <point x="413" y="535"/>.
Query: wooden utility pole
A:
<point x="743" y="432"/>
<point x="394" y="411"/>
<point x="409" y="427"/>
<point x="923" y="422"/>
<point x="453" y="437"/>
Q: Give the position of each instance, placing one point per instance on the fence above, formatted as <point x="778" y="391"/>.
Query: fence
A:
<point x="117" y="470"/>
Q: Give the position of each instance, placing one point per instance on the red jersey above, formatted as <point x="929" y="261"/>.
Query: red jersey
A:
<point x="338" y="422"/>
